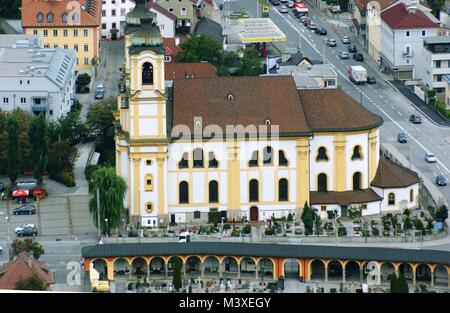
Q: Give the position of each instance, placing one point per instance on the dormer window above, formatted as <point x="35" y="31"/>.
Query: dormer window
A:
<point x="267" y="121"/>
<point x="50" y="17"/>
<point x="64" y="17"/>
<point x="40" y="17"/>
<point x="230" y="97"/>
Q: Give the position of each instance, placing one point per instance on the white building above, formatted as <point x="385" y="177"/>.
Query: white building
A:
<point x="113" y="14"/>
<point x="37" y="80"/>
<point x="165" y="20"/>
<point x="435" y="62"/>
<point x="403" y="28"/>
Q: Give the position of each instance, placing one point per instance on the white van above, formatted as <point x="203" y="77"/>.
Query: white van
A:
<point x="184" y="237"/>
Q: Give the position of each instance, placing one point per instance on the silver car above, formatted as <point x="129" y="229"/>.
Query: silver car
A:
<point x="284" y="9"/>
<point x="345" y="40"/>
<point x="343" y="55"/>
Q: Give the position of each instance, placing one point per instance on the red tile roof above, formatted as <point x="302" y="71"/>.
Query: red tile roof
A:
<point x="171" y="48"/>
<point x="20" y="268"/>
<point x="160" y="9"/>
<point x="189" y="70"/>
<point x="30" y="9"/>
<point x="398" y="17"/>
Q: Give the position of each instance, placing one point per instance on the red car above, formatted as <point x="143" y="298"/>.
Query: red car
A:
<point x="306" y="22"/>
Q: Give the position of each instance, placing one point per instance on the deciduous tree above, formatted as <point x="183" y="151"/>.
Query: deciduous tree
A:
<point x="14" y="150"/>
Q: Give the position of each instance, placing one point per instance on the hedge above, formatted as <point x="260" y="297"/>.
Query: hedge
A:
<point x="66" y="178"/>
<point x="440" y="106"/>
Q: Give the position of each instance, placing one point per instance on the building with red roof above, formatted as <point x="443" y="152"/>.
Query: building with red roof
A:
<point x="403" y="29"/>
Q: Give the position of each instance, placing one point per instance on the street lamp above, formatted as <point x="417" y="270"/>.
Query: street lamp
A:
<point x="106" y="228"/>
<point x="221" y="231"/>
<point x="9" y="234"/>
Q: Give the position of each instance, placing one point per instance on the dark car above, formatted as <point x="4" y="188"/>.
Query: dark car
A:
<point x="2" y="187"/>
<point x="100" y="92"/>
<point x="306" y="21"/>
<point x="358" y="57"/>
<point x="321" y="31"/>
<point x="441" y="180"/>
<point x="371" y="80"/>
<point x="402" y="138"/>
<point x="352" y="49"/>
<point x="415" y="118"/>
<point x="27" y="231"/>
<point x="275" y="2"/>
<point x="25" y="209"/>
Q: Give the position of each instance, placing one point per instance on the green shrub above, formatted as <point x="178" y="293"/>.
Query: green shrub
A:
<point x="342" y="231"/>
<point x="269" y="231"/>
<point x="66" y="178"/>
<point x="83" y="79"/>
<point x="375" y="231"/>
<point x="440" y="106"/>
<point x="90" y="169"/>
<point x="226" y="226"/>
<point x="130" y="286"/>
<point x="247" y="229"/>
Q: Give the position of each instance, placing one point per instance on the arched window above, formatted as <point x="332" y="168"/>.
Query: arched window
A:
<point x="212" y="163"/>
<point x="282" y="161"/>
<point x="357" y="155"/>
<point x="322" y="182"/>
<point x="40" y="17"/>
<point x="184" y="163"/>
<point x="149" y="182"/>
<point x="147" y="73"/>
<point x="198" y="158"/>
<point x="213" y="192"/>
<point x="64" y="17"/>
<point x="268" y="156"/>
<point x="183" y="192"/>
<point x="357" y="181"/>
<point x="254" y="160"/>
<point x="283" y="190"/>
<point x="411" y="195"/>
<point x="322" y="154"/>
<point x="253" y="190"/>
<point x="50" y="17"/>
<point x="75" y="17"/>
<point x="391" y="199"/>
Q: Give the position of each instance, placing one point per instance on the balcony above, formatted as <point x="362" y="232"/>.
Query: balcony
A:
<point x="39" y="105"/>
<point x="408" y="54"/>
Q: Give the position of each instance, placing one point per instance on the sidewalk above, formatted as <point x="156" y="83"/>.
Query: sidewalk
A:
<point x="421" y="105"/>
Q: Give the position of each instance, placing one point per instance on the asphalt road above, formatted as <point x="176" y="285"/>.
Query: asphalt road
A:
<point x="380" y="98"/>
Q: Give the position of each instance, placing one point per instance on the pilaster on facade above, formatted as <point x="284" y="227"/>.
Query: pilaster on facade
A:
<point x="340" y="162"/>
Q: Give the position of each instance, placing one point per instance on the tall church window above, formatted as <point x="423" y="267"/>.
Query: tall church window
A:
<point x="147" y="73"/>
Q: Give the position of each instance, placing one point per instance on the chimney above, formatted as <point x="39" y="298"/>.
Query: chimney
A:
<point x="412" y="6"/>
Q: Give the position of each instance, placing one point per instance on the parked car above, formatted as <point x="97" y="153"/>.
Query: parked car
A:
<point x="27" y="231"/>
<point x="352" y="49"/>
<point x="345" y="40"/>
<point x="275" y="2"/>
<point x="371" y="80"/>
<point x="312" y="26"/>
<point x="301" y="18"/>
<point x="358" y="57"/>
<point x="321" y="31"/>
<point x="401" y="137"/>
<point x="331" y="42"/>
<point x="430" y="157"/>
<point x="343" y="55"/>
<point x="25" y="209"/>
<point x="18" y="228"/>
<point x="415" y="118"/>
<point x="100" y="92"/>
<point x="291" y="4"/>
<point x="283" y="9"/>
<point x="441" y="180"/>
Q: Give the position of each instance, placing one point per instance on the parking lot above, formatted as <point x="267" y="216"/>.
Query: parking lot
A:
<point x="55" y="216"/>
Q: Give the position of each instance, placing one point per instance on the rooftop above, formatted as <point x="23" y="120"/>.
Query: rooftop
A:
<point x="23" y="267"/>
<point x="436" y="40"/>
<point x="306" y="76"/>
<point x="344" y="197"/>
<point x="253" y="30"/>
<point x="250" y="101"/>
<point x="392" y="175"/>
<point x="90" y="13"/>
<point x="398" y="17"/>
<point x="189" y="70"/>
<point x="266" y="250"/>
<point x="20" y="40"/>
<point x="54" y="63"/>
